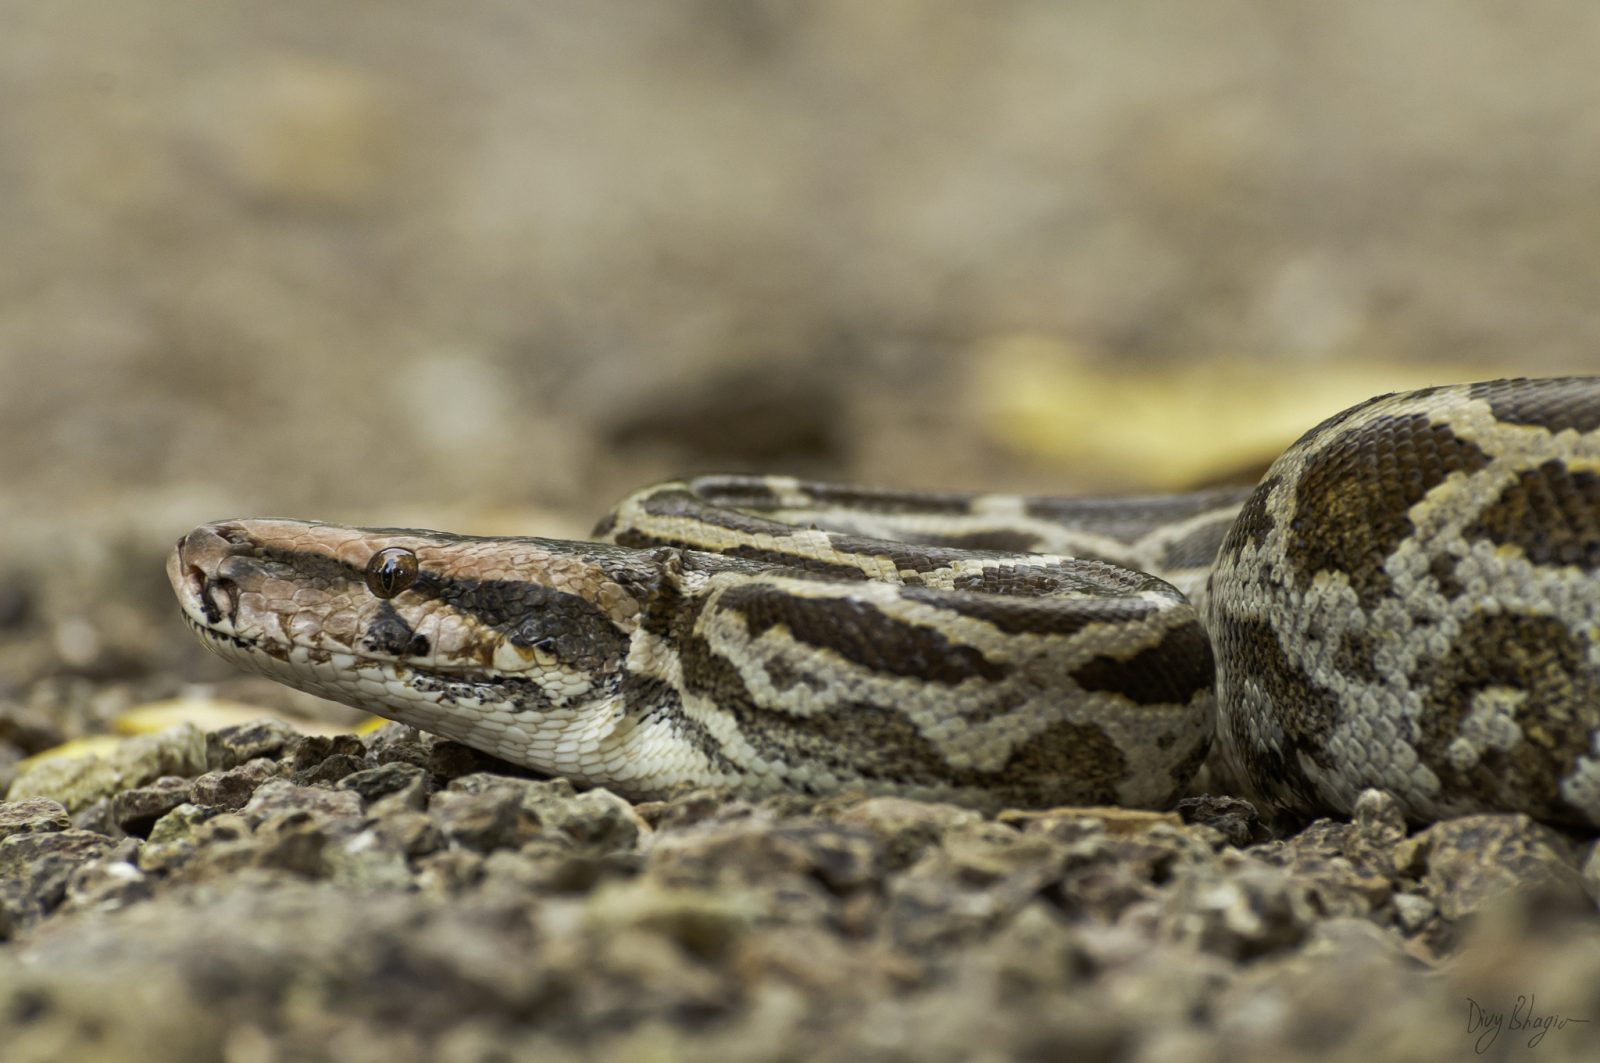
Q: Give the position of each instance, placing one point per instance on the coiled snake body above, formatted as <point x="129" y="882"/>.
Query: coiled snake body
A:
<point x="1408" y="601"/>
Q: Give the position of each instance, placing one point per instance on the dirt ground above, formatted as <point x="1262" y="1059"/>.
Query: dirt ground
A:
<point x="486" y="267"/>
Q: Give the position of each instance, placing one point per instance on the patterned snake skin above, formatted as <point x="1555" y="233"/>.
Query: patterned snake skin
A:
<point x="1407" y="601"/>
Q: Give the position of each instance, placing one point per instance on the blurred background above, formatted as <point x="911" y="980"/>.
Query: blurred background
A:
<point x="487" y="266"/>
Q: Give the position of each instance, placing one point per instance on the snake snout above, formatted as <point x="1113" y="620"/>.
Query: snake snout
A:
<point x="195" y="571"/>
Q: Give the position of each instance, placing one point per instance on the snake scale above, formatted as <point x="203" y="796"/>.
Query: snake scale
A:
<point x="1408" y="600"/>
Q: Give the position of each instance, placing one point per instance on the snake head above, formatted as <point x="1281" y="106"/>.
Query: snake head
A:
<point x="370" y="615"/>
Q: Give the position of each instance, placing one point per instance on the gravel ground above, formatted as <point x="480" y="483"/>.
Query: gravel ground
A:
<point x="255" y="894"/>
<point x="486" y="267"/>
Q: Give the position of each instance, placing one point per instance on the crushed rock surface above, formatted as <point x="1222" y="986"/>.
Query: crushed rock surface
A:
<point x="253" y="894"/>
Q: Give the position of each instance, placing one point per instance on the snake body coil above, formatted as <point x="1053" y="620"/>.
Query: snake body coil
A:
<point x="1407" y="601"/>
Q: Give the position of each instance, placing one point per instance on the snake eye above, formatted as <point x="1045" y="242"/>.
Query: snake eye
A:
<point x="391" y="571"/>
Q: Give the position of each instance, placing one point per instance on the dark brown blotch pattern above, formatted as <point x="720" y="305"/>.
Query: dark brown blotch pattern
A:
<point x="1551" y="513"/>
<point x="780" y="563"/>
<point x="1002" y="540"/>
<point x="682" y="504"/>
<point x="1129" y="518"/>
<point x="1305" y="713"/>
<point x="1083" y="576"/>
<point x="570" y="627"/>
<point x="1024" y="616"/>
<point x="650" y="699"/>
<point x="1064" y="763"/>
<point x="1250" y="527"/>
<point x="1082" y="756"/>
<point x="734" y="491"/>
<point x="862" y="634"/>
<point x="1536" y="654"/>
<point x="1442" y="567"/>
<point x="1197" y="549"/>
<point x="1171" y="671"/>
<point x="1352" y="501"/>
<point x="1356" y="656"/>
<point x="1554" y="405"/>
<point x="870" y="500"/>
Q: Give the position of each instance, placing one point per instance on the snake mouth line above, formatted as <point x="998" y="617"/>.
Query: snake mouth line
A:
<point x="300" y="656"/>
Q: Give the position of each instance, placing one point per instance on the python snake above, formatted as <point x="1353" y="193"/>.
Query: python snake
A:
<point x="1407" y="601"/>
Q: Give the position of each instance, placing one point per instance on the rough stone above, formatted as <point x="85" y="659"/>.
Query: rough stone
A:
<point x="330" y="769"/>
<point x="563" y="871"/>
<point x="1241" y="910"/>
<point x="703" y="923"/>
<point x="109" y="881"/>
<point x="230" y="788"/>
<point x="277" y="797"/>
<point x="297" y="842"/>
<point x="369" y="860"/>
<point x="96" y="817"/>
<point x="1236" y="819"/>
<point x="1112" y="820"/>
<point x="35" y="869"/>
<point x="385" y="780"/>
<point x="448" y="872"/>
<point x="135" y="811"/>
<point x="307" y="752"/>
<point x="691" y="807"/>
<point x="32" y="815"/>
<point x="228" y="747"/>
<point x="879" y="920"/>
<point x="1413" y="911"/>
<point x="411" y="832"/>
<point x="171" y="841"/>
<point x="1590" y="870"/>
<point x="395" y="743"/>
<point x="77" y="782"/>
<point x="1348" y="867"/>
<point x="448" y="761"/>
<point x="483" y="821"/>
<point x="1379" y="821"/>
<point x="976" y="879"/>
<point x="1466" y="863"/>
<point x="754" y="850"/>
<point x="906" y="828"/>
<point x="596" y="820"/>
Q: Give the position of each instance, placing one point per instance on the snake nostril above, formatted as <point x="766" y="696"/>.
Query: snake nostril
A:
<point x="219" y="598"/>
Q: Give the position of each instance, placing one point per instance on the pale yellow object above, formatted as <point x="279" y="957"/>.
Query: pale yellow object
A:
<point x="208" y="714"/>
<point x="1187" y="423"/>
<point x="88" y="746"/>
